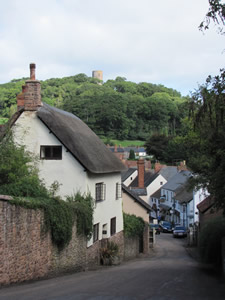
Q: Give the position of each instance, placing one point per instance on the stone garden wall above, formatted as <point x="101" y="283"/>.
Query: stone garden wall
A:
<point x="26" y="252"/>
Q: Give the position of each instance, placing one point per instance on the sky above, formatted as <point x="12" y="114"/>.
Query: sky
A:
<point x="144" y="41"/>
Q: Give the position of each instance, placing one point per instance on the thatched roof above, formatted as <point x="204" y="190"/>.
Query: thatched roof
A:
<point x="80" y="140"/>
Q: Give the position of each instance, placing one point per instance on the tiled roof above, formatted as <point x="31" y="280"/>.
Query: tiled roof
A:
<point x="136" y="198"/>
<point x="168" y="172"/>
<point x="149" y="177"/>
<point x="127" y="173"/>
<point x="136" y="149"/>
<point x="157" y="194"/>
<point x="140" y="191"/>
<point x="177" y="181"/>
<point x="183" y="195"/>
<point x="207" y="203"/>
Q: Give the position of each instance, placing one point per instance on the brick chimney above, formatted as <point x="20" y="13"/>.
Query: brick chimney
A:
<point x="141" y="173"/>
<point x="20" y="98"/>
<point x="30" y="98"/>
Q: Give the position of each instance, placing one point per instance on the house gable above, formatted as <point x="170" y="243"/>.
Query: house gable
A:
<point x="80" y="140"/>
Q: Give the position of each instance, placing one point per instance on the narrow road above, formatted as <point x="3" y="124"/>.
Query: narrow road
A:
<point x="168" y="274"/>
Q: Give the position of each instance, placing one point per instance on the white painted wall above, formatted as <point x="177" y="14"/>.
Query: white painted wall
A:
<point x="131" y="178"/>
<point x="154" y="186"/>
<point x="31" y="132"/>
<point x="110" y="207"/>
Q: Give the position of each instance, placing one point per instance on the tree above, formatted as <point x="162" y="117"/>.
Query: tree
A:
<point x="18" y="173"/>
<point x="206" y="155"/>
<point x="132" y="154"/>
<point x="157" y="145"/>
<point x="216" y="13"/>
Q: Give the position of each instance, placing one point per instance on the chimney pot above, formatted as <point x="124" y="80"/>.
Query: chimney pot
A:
<point x="32" y="71"/>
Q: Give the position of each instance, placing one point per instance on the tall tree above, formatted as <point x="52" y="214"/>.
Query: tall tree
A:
<point x="207" y="157"/>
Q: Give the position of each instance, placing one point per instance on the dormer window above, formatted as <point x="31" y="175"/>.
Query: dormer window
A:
<point x="51" y="152"/>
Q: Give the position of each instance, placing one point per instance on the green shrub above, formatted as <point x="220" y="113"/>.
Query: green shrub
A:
<point x="19" y="178"/>
<point x="107" y="254"/>
<point x="133" y="226"/>
<point x="83" y="207"/>
<point x="210" y="241"/>
<point x="18" y="171"/>
<point x="132" y="155"/>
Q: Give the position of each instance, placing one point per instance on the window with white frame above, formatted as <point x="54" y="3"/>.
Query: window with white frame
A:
<point x="118" y="190"/>
<point x="100" y="190"/>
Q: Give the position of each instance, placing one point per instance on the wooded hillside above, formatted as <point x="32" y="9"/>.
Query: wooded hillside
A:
<point x="116" y="109"/>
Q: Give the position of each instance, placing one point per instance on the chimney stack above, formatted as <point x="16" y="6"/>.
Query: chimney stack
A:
<point x="141" y="173"/>
<point x="30" y="97"/>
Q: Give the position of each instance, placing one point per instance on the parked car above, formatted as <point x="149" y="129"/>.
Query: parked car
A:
<point x="179" y="231"/>
<point x="156" y="227"/>
<point x="166" y="226"/>
<point x="176" y="224"/>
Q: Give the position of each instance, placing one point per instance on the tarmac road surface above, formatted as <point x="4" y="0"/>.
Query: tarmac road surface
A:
<point x="168" y="273"/>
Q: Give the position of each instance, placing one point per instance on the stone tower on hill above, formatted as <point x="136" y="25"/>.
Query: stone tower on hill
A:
<point x="97" y="74"/>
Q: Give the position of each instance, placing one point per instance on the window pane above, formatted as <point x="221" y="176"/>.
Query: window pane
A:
<point x="118" y="191"/>
<point x="100" y="191"/>
<point x="57" y="152"/>
<point x="96" y="232"/>
<point x="47" y="152"/>
<point x="113" y="226"/>
<point x="51" y="152"/>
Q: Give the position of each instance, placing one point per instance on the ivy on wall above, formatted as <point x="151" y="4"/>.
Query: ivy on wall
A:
<point x="19" y="178"/>
<point x="133" y="226"/>
<point x="59" y="216"/>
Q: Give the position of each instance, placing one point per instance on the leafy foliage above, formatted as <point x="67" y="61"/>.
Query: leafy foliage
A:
<point x="108" y="253"/>
<point x="216" y="14"/>
<point x="19" y="178"/>
<point x="133" y="226"/>
<point x="132" y="154"/>
<point x="58" y="217"/>
<point x="18" y="172"/>
<point x="117" y="109"/>
<point x="206" y="155"/>
<point x="157" y="145"/>
<point x="83" y="207"/>
<point x="210" y="241"/>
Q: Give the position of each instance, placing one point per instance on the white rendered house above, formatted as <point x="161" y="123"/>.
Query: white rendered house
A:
<point x="70" y="153"/>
